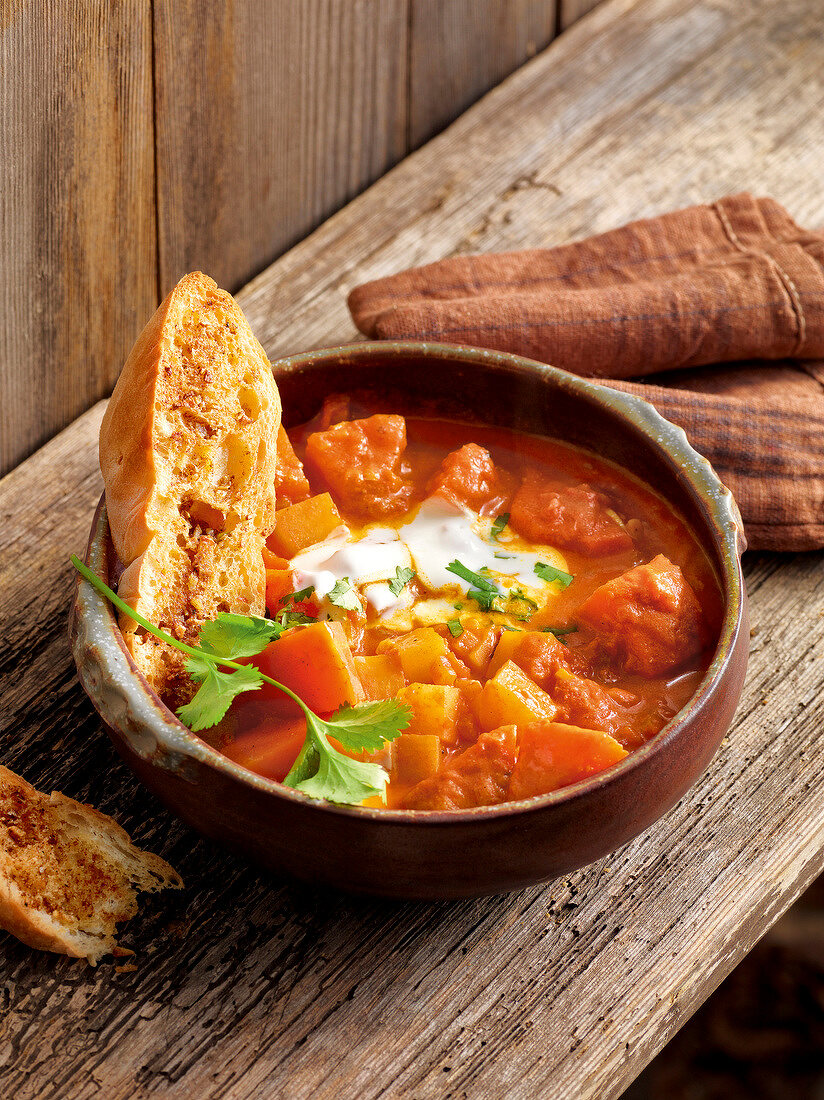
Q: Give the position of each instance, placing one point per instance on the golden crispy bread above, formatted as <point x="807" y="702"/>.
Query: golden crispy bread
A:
<point x="188" y="453"/>
<point x="68" y="874"/>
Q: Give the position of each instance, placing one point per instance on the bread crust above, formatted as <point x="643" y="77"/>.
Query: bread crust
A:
<point x="98" y="866"/>
<point x="188" y="451"/>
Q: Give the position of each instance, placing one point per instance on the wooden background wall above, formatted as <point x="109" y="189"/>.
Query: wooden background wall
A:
<point x="142" y="139"/>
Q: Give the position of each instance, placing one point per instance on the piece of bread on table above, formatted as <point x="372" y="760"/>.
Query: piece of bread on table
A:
<point x="188" y="454"/>
<point x="68" y="873"/>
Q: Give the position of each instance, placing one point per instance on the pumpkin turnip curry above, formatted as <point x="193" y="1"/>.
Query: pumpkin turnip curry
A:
<point x="538" y="611"/>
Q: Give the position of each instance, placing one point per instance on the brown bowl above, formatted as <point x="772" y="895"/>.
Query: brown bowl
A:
<point x="414" y="854"/>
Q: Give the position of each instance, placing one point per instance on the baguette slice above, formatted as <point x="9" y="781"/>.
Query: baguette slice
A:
<point x="68" y="873"/>
<point x="188" y="454"/>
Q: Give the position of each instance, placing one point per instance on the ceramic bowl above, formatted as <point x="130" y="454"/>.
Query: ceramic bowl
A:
<point x="413" y="854"/>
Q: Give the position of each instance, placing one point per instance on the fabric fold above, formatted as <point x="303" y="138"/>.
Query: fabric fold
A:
<point x="735" y="280"/>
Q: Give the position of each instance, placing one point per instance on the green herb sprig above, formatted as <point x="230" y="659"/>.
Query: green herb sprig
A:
<point x="320" y="770"/>
<point x="552" y="575"/>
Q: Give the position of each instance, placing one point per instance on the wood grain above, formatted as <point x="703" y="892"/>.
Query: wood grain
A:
<point x="462" y="48"/>
<point x="77" y="249"/>
<point x="247" y="986"/>
<point x="270" y="115"/>
<point x="570" y="11"/>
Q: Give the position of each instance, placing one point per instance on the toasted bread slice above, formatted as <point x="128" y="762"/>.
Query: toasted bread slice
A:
<point x="68" y="874"/>
<point x="188" y="453"/>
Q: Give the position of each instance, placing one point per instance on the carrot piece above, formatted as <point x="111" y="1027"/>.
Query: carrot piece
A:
<point x="381" y="676"/>
<point x="273" y="561"/>
<point x="271" y="749"/>
<point x="279" y="583"/>
<point x="511" y="698"/>
<point x="304" y="524"/>
<point x="316" y="663"/>
<point x="291" y="483"/>
<point x="415" y="756"/>
<point x="552" y="755"/>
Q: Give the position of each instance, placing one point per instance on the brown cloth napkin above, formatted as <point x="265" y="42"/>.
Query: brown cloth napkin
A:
<point x="727" y="282"/>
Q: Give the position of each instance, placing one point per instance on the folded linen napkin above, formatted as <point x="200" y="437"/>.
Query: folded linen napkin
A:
<point x="732" y="281"/>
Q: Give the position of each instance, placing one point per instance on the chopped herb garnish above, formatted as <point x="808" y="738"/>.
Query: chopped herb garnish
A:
<point x="504" y="557"/>
<point x="320" y="770"/>
<point x="484" y="592"/>
<point x="402" y="579"/>
<point x="552" y="575"/>
<point x="514" y="629"/>
<point x="344" y="595"/>
<point x="297" y="597"/>
<point x="458" y="606"/>
<point x="500" y="522"/>
<point x="519" y="594"/>
<point x="455" y="628"/>
<point x="295" y="618"/>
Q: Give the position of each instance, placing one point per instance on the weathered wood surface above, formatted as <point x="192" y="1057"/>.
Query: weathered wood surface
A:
<point x="461" y="48"/>
<point x="76" y="209"/>
<point x="250" y="987"/>
<point x="141" y="140"/>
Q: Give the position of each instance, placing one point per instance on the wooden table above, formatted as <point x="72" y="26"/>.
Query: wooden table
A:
<point x="246" y="986"/>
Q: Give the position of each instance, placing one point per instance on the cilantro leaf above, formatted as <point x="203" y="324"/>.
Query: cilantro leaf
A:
<point x="475" y="579"/>
<point x="484" y="599"/>
<point x="341" y="779"/>
<point x="294" y="618"/>
<point x="367" y="726"/>
<point x="216" y="692"/>
<point x="455" y="628"/>
<point x="500" y="522"/>
<point x="322" y="772"/>
<point x="402" y="579"/>
<point x="297" y="597"/>
<point x="504" y="557"/>
<point x="344" y="595"/>
<point x="237" y="635"/>
<point x="550" y="574"/>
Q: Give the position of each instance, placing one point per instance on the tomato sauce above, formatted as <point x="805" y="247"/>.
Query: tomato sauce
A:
<point x="540" y="611"/>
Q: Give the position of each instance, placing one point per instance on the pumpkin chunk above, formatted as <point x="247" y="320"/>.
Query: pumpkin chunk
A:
<point x="304" y="524"/>
<point x="553" y="755"/>
<point x="510" y="697"/>
<point x="291" y="483"/>
<point x="316" y="663"/>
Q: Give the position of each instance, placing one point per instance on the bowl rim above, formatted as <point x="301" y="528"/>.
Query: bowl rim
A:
<point x="94" y="621"/>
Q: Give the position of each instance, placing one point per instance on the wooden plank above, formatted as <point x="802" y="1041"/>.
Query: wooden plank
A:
<point x="247" y="986"/>
<point x="461" y="49"/>
<point x="270" y="115"/>
<point x="77" y="255"/>
<point x="644" y="106"/>
<point x="572" y="10"/>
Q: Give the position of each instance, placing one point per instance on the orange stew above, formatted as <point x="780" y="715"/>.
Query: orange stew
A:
<point x="539" y="610"/>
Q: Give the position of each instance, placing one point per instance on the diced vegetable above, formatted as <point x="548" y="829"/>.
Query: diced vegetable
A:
<point x="648" y="619"/>
<point x="360" y="461"/>
<point x="435" y="709"/>
<point x="291" y="484"/>
<point x="469" y="476"/>
<point x="584" y="703"/>
<point x="553" y="755"/>
<point x="304" y="524"/>
<point x="271" y="749"/>
<point x="418" y="651"/>
<point x="279" y="583"/>
<point x="572" y="517"/>
<point x="479" y="776"/>
<point x="381" y="676"/>
<point x="536" y="653"/>
<point x="475" y="643"/>
<point x="415" y="757"/>
<point x="316" y="663"/>
<point x="512" y="698"/>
